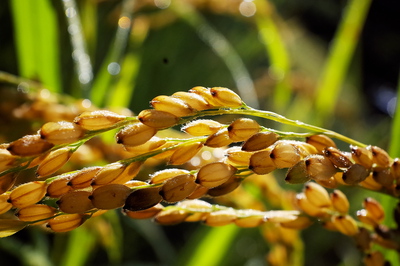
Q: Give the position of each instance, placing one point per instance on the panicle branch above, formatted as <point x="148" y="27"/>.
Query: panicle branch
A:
<point x="63" y="200"/>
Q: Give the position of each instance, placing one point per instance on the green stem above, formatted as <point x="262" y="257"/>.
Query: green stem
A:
<point x="245" y="110"/>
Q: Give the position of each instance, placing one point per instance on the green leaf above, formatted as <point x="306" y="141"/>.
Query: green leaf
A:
<point x="210" y="246"/>
<point x="35" y="26"/>
<point x="340" y="55"/>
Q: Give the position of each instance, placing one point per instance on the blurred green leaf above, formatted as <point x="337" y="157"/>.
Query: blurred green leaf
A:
<point x="210" y="246"/>
<point x="277" y="53"/>
<point x="79" y="246"/>
<point x="35" y="26"/>
<point x="339" y="57"/>
<point x="389" y="203"/>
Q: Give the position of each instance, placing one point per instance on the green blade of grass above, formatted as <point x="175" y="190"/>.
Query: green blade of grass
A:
<point x="389" y="203"/>
<point x="209" y="246"/>
<point x="36" y="38"/>
<point x="339" y="58"/>
<point x="394" y="148"/>
<point x="80" y="243"/>
<point x="222" y="48"/>
<point x="124" y="88"/>
<point x="276" y="52"/>
<point x="107" y="76"/>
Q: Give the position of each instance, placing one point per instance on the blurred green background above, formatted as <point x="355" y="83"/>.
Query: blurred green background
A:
<point x="329" y="63"/>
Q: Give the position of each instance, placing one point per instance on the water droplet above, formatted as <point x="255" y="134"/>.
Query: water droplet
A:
<point x="162" y="3"/>
<point x="124" y="22"/>
<point x="70" y="12"/>
<point x="206" y="155"/>
<point x="247" y="8"/>
<point x="114" y="68"/>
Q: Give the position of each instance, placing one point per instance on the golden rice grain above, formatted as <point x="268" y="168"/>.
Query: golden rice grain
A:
<point x="28" y="194"/>
<point x="97" y="120"/>
<point x="29" y="145"/>
<point x="61" y="132"/>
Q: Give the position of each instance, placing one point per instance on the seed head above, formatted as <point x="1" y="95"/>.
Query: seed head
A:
<point x="143" y="199"/>
<point x="320" y="142"/>
<point x="219" y="139"/>
<point x="171" y="217"/>
<point x="364" y="217"/>
<point x="84" y="177"/>
<point x="220" y="218"/>
<point x="110" y="196"/>
<point x="305" y="149"/>
<point x="59" y="187"/>
<point x="194" y="100"/>
<point x="199" y="192"/>
<point x="242" y="129"/>
<point x="338" y="158"/>
<point x="135" y="134"/>
<point x="178" y="188"/>
<point x="152" y="144"/>
<point x="197" y="209"/>
<point x="129" y="173"/>
<point x="317" y="195"/>
<point x="116" y="173"/>
<point x="65" y="223"/>
<point x="345" y="224"/>
<point x="383" y="176"/>
<point x="6" y="159"/>
<point x="298" y="173"/>
<point x="319" y="167"/>
<point x="305" y="205"/>
<point x="144" y="214"/>
<point x="163" y="175"/>
<point x="75" y="202"/>
<point x="135" y="183"/>
<point x="370" y="183"/>
<point x="61" y="132"/>
<point x="28" y="194"/>
<point x="205" y="93"/>
<point x="236" y="156"/>
<point x="7" y="181"/>
<point x="285" y="154"/>
<point x="215" y="174"/>
<point x="380" y="157"/>
<point x="362" y="156"/>
<point x="374" y="258"/>
<point x="184" y="153"/>
<point x="172" y="105"/>
<point x="250" y="221"/>
<point x="225" y="97"/>
<point x="300" y="223"/>
<point x="54" y="161"/>
<point x="395" y="169"/>
<point x="355" y="174"/>
<point x="97" y="120"/>
<point x="195" y="205"/>
<point x="36" y="212"/>
<point x="340" y="201"/>
<point x="5" y="205"/>
<point x="261" y="162"/>
<point x="374" y="210"/>
<point x="260" y="141"/>
<point x="29" y="145"/>
<point x="202" y="127"/>
<point x="157" y="119"/>
<point x="230" y="185"/>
